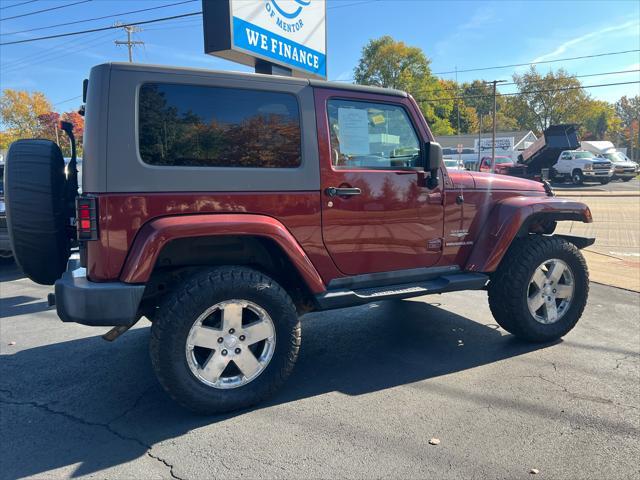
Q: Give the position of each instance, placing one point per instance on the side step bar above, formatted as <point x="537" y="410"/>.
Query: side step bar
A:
<point x="340" y="298"/>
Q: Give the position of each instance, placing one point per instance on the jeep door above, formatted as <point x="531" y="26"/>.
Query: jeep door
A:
<point x="377" y="213"/>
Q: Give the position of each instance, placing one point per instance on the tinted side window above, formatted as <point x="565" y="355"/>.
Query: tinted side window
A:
<point x="371" y="135"/>
<point x="197" y="126"/>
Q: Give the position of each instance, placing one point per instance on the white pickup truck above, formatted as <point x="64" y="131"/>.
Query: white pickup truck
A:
<point x="624" y="169"/>
<point x="581" y="166"/>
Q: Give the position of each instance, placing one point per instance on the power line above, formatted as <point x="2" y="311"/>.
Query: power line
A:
<point x="45" y="10"/>
<point x="526" y="92"/>
<point x="470" y="86"/>
<point x="67" y="100"/>
<point x="100" y="18"/>
<point x="129" y="24"/>
<point x="17" y="4"/>
<point x="45" y="56"/>
<point x="537" y="63"/>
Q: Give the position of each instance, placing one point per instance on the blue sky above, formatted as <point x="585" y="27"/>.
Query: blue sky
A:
<point x="462" y="34"/>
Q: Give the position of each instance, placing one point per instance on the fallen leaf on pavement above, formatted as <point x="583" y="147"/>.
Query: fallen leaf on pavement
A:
<point x="534" y="471"/>
<point x="434" y="441"/>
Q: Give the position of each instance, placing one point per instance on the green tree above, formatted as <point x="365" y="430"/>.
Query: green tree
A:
<point x="547" y="100"/>
<point x="598" y="121"/>
<point x="391" y="64"/>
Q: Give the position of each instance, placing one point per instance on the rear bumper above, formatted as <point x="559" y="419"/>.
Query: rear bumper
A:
<point x="108" y="304"/>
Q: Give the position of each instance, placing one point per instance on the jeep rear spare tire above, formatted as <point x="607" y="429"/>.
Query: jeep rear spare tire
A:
<point x="36" y="209"/>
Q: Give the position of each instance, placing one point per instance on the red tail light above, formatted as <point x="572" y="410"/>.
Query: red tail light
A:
<point x="87" y="218"/>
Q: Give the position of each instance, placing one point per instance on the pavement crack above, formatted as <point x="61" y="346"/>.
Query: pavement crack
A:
<point x="132" y="407"/>
<point x="580" y="396"/>
<point x="166" y="464"/>
<point x="47" y="408"/>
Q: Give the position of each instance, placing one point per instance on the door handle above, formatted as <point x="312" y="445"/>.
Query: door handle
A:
<point x="342" y="191"/>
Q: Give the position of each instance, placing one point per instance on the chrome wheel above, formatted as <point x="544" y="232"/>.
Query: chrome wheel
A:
<point x="550" y="291"/>
<point x="230" y="344"/>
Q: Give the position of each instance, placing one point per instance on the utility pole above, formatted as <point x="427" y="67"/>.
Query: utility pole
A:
<point x="493" y="136"/>
<point x="479" y="142"/>
<point x="130" y="29"/>
<point x="457" y="101"/>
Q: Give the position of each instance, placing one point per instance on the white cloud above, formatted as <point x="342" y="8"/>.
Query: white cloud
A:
<point x="626" y="29"/>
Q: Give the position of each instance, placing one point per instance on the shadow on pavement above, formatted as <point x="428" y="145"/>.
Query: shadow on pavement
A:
<point x="20" y="305"/>
<point x="97" y="404"/>
<point x="9" y="272"/>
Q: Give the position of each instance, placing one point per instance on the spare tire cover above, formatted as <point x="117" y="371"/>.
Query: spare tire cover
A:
<point x="36" y="211"/>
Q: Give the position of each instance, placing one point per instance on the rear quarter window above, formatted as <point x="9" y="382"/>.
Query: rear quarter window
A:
<point x="200" y="126"/>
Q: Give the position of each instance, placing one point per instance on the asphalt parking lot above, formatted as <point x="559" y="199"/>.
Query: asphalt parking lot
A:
<point x="373" y="385"/>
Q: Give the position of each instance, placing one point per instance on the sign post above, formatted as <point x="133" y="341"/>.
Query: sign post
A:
<point x="282" y="37"/>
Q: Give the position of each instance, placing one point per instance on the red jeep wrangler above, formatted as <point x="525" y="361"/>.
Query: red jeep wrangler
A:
<point x="223" y="206"/>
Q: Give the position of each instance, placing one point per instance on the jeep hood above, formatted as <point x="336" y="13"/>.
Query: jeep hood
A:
<point x="489" y="181"/>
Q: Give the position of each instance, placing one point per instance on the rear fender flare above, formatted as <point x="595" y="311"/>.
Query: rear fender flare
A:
<point x="156" y="234"/>
<point x="510" y="218"/>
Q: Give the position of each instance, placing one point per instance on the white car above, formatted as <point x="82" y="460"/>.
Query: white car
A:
<point x="623" y="168"/>
<point x="453" y="165"/>
<point x="581" y="166"/>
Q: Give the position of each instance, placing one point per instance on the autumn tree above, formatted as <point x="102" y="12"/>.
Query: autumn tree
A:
<point x="628" y="111"/>
<point x="20" y="112"/>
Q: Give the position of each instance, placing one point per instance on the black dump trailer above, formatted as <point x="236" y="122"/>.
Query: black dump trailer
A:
<point x="544" y="152"/>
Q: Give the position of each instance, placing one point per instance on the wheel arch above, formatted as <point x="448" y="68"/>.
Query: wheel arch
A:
<point x="181" y="241"/>
<point x="517" y="217"/>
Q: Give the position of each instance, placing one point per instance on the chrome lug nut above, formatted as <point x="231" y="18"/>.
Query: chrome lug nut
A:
<point x="224" y="352"/>
<point x="242" y="338"/>
<point x="238" y="350"/>
<point x="232" y="331"/>
<point x="220" y="339"/>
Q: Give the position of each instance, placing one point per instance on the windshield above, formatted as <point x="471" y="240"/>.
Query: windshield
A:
<point x="503" y="160"/>
<point x="584" y="155"/>
<point x="451" y="163"/>
<point x="616" y="157"/>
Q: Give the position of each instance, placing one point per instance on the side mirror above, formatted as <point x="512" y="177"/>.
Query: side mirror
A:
<point x="432" y="162"/>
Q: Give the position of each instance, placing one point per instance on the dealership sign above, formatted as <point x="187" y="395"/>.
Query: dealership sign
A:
<point x="502" y="143"/>
<point x="288" y="33"/>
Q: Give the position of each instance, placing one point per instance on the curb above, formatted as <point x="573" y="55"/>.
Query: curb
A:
<point x="587" y="193"/>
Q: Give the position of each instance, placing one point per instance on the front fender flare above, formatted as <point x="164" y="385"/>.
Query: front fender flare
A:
<point x="154" y="235"/>
<point x="506" y="222"/>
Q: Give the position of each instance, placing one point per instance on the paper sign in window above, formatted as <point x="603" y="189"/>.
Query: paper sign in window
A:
<point x="353" y="125"/>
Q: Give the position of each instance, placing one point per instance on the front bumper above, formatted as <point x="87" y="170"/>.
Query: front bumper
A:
<point x="107" y="304"/>
<point x="625" y="173"/>
<point x="598" y="173"/>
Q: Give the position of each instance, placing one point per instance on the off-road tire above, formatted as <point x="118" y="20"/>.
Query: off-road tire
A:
<point x="178" y="312"/>
<point x="36" y="208"/>
<point x="577" y="177"/>
<point x="604" y="181"/>
<point x="509" y="286"/>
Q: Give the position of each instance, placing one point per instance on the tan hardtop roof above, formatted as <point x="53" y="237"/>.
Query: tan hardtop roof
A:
<point x="245" y="76"/>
